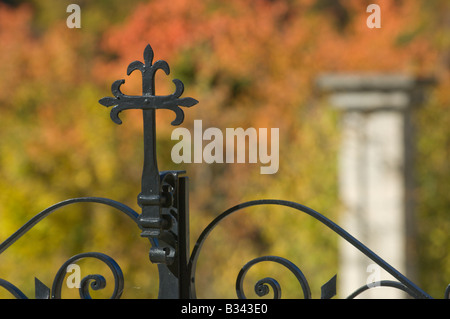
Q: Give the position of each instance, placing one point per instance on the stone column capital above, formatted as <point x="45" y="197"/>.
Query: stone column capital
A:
<point x="373" y="91"/>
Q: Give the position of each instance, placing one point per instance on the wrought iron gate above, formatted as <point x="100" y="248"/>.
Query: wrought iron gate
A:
<point x="164" y="219"/>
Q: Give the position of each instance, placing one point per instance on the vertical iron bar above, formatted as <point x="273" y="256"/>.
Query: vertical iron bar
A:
<point x="149" y="198"/>
<point x="150" y="191"/>
<point x="183" y="237"/>
<point x="174" y="278"/>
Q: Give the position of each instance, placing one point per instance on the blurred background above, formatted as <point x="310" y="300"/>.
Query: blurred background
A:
<point x="250" y="64"/>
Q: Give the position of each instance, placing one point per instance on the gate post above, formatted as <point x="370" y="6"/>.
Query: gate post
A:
<point x="375" y="171"/>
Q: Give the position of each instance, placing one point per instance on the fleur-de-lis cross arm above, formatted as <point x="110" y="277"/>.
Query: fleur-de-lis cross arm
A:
<point x="148" y="100"/>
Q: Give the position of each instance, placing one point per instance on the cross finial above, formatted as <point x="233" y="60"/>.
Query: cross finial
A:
<point x="148" y="99"/>
<point x="151" y="197"/>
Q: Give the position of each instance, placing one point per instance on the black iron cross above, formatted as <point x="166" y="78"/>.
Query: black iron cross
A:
<point x="150" y="197"/>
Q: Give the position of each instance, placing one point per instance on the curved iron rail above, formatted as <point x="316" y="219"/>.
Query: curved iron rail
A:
<point x="16" y="292"/>
<point x="383" y="283"/>
<point x="96" y="281"/>
<point x="414" y="289"/>
<point x="37" y="218"/>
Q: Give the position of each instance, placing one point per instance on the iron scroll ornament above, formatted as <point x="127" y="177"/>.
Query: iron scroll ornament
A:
<point x="328" y="289"/>
<point x="96" y="281"/>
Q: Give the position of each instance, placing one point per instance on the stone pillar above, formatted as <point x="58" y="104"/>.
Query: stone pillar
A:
<point x="375" y="175"/>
